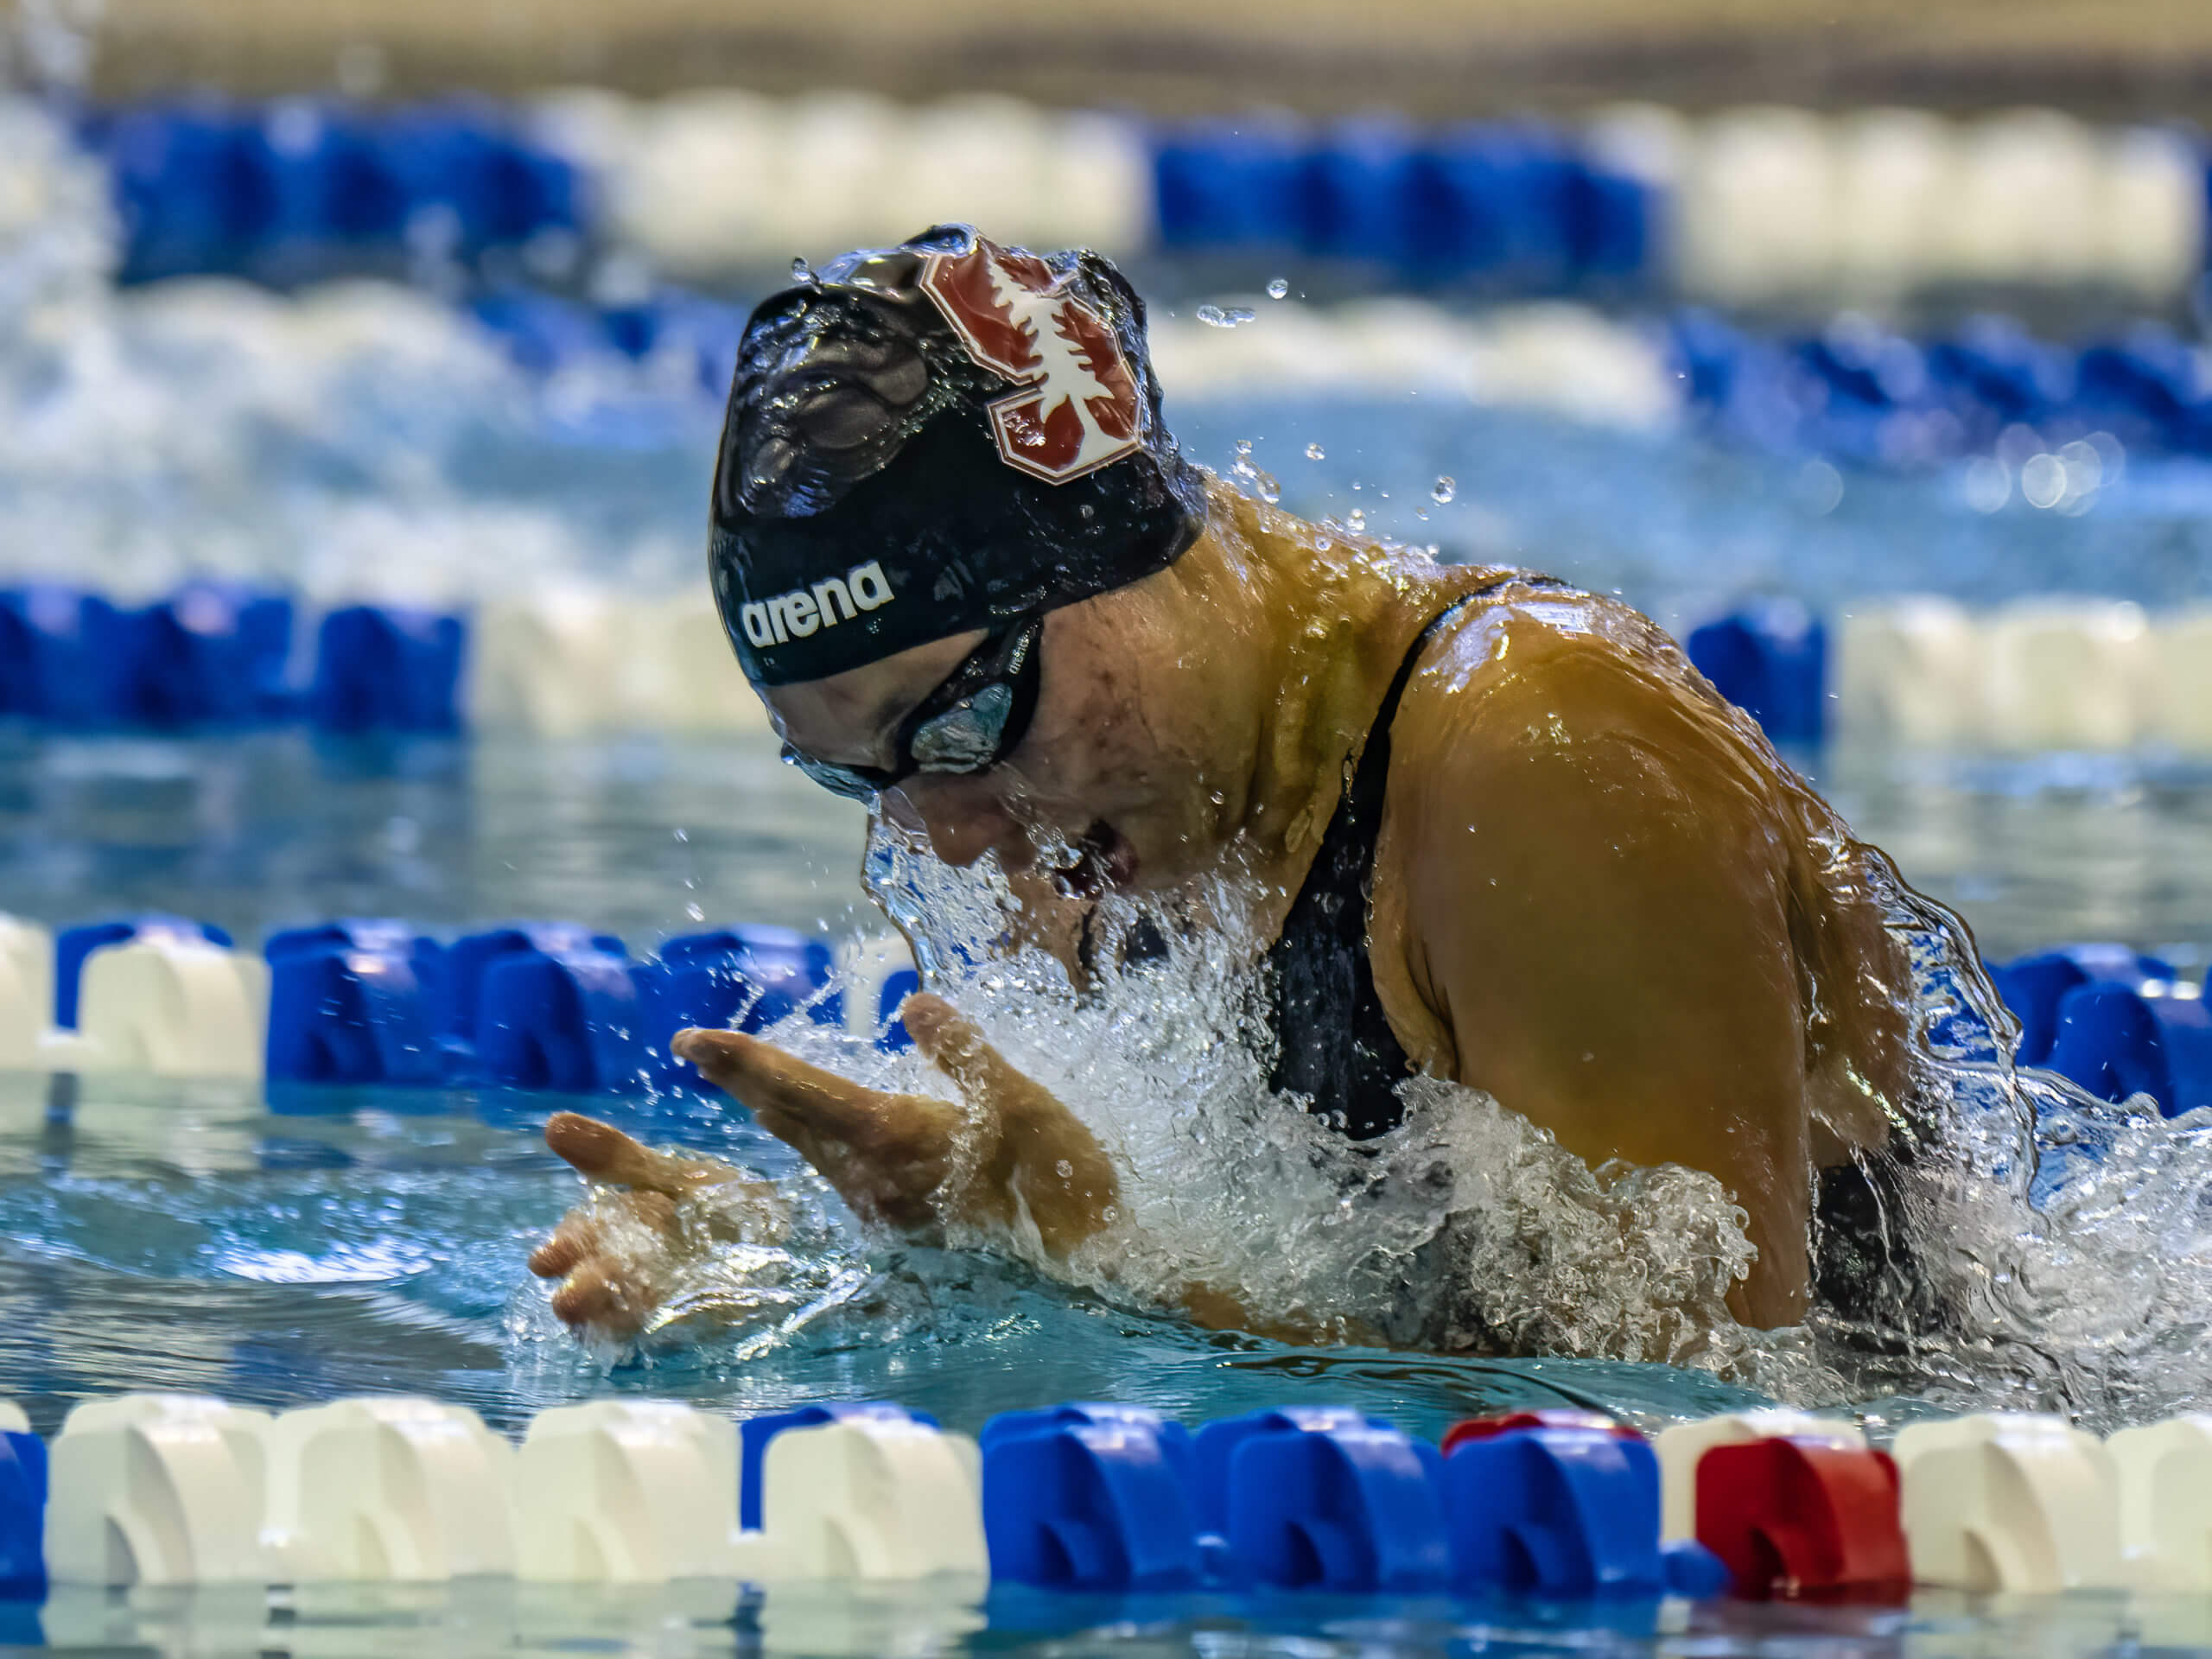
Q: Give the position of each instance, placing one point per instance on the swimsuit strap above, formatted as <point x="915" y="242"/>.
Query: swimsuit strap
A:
<point x="1333" y="1043"/>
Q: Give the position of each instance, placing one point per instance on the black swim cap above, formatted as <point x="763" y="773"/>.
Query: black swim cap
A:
<point x="935" y="437"/>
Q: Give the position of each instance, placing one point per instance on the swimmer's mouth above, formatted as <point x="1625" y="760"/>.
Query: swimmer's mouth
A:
<point x="1103" y="859"/>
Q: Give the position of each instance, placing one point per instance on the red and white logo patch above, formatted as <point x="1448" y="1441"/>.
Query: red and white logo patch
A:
<point x="1076" y="410"/>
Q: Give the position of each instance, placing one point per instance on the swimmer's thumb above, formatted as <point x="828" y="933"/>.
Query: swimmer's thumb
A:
<point x="935" y="1023"/>
<point x="953" y="1043"/>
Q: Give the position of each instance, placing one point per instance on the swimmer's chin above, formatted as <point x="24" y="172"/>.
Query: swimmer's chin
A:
<point x="1101" y="861"/>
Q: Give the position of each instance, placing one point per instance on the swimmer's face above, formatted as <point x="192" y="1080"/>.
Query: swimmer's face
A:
<point x="1106" y="789"/>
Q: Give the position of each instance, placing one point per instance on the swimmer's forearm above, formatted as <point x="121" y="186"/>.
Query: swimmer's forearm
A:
<point x="1225" y="1310"/>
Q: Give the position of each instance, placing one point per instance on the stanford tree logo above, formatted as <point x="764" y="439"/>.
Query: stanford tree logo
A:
<point x="1076" y="408"/>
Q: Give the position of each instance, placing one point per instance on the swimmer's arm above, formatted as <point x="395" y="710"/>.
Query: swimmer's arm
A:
<point x="1013" y="1154"/>
<point x="1588" y="920"/>
<point x="913" y="1163"/>
<point x="899" y="1158"/>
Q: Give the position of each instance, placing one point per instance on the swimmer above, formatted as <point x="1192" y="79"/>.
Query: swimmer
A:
<point x="1501" y="832"/>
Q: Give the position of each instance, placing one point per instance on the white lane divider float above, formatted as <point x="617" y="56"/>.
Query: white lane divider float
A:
<point x="26" y="992"/>
<point x="1911" y="669"/>
<point x="167" y="1005"/>
<point x="387" y="1489"/>
<point x="868" y="1498"/>
<point x="2048" y="674"/>
<point x="2066" y="674"/>
<point x="2165" y="1503"/>
<point x="153" y="1489"/>
<point x="626" y="1492"/>
<point x="2010" y="1500"/>
<point x="571" y="660"/>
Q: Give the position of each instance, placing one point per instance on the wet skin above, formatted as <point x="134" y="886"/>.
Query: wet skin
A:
<point x="1598" y="895"/>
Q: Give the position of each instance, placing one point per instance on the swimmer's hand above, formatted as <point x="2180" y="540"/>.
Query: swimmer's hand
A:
<point x="1008" y="1150"/>
<point x="651" y="1213"/>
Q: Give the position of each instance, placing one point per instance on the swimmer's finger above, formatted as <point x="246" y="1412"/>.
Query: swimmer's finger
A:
<point x="608" y="1299"/>
<point x="600" y="1151"/>
<point x="574" y="1241"/>
<point x="953" y="1043"/>
<point x="777" y="1084"/>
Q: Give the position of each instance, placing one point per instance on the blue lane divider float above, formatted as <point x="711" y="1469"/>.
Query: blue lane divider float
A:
<point x="299" y="188"/>
<point x="1864" y="395"/>
<point x="1513" y="207"/>
<point x="208" y="655"/>
<point x="1771" y="659"/>
<point x="539" y="1004"/>
<point x="22" y="1512"/>
<point x="1325" y="1499"/>
<point x="353" y="1002"/>
<point x="1111" y="1498"/>
<point x="385" y="668"/>
<point x="741" y="978"/>
<point x="562" y="1014"/>
<point x="217" y="656"/>
<point x="2110" y="1019"/>
<point x="1091" y="1497"/>
<point x="1567" y="1511"/>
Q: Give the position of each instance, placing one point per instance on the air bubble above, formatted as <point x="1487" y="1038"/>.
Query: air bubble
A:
<point x="1315" y="452"/>
<point x="1356" y="521"/>
<point x="1445" y="488"/>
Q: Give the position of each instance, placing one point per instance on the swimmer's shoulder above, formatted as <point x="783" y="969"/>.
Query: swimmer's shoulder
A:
<point x="1532" y="671"/>
<point x="1503" y="635"/>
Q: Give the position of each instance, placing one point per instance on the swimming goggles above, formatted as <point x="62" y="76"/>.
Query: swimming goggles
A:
<point x="976" y="718"/>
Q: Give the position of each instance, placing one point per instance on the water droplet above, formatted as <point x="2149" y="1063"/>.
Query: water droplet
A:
<point x="801" y="271"/>
<point x="694" y="911"/>
<point x="1270" y="491"/>
<point x="1315" y="452"/>
<point x="684" y="835"/>
<point x="1065" y="1169"/>
<point x="1279" y="287"/>
<point x="1221" y="316"/>
<point x="1243" y="446"/>
<point x="1445" y="490"/>
<point x="1356" y="521"/>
